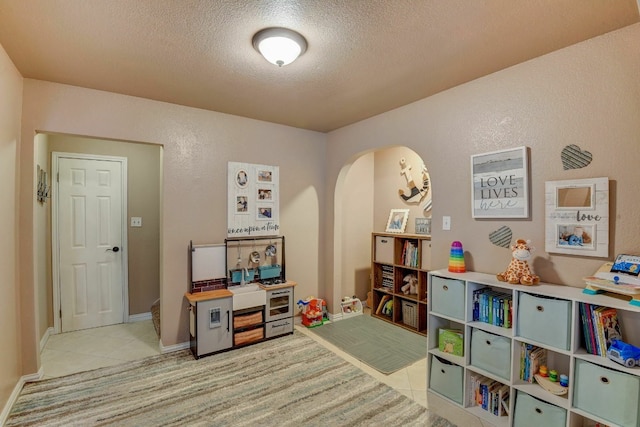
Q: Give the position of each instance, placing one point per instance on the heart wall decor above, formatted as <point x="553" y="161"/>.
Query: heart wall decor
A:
<point x="573" y="157"/>
<point x="501" y="237"/>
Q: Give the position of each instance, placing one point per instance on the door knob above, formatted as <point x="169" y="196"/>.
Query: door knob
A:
<point x="114" y="249"/>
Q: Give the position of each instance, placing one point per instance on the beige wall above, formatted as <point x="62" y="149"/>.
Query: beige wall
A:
<point x="389" y="181"/>
<point x="356" y="213"/>
<point x="143" y="200"/>
<point x="10" y="109"/>
<point x="197" y="146"/>
<point x="587" y="94"/>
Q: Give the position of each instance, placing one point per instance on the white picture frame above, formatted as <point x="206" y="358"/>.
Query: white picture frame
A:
<point x="397" y="221"/>
<point x="500" y="184"/>
<point x="577" y="217"/>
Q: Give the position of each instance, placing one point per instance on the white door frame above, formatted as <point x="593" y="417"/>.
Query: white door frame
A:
<point x="55" y="248"/>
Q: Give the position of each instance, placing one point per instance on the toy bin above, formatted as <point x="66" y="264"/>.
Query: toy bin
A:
<point x="269" y="271"/>
<point x="447" y="297"/>
<point x="491" y="352"/>
<point x="410" y="314"/>
<point x="531" y="412"/>
<point x="606" y="393"/>
<point x="545" y="320"/>
<point x="445" y="378"/>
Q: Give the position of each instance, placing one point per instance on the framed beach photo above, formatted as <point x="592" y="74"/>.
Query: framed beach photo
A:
<point x="500" y="184"/>
<point x="577" y="217"/>
<point x="397" y="221"/>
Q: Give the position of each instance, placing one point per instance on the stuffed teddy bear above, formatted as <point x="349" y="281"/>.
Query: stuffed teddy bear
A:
<point x="410" y="284"/>
<point x="518" y="271"/>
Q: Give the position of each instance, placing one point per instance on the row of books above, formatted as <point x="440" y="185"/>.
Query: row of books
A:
<point x="490" y="395"/>
<point x="599" y="326"/>
<point x="492" y="307"/>
<point x="387" y="277"/>
<point x="410" y="254"/>
<point x="531" y="358"/>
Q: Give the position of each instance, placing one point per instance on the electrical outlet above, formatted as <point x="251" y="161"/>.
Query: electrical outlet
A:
<point x="446" y="223"/>
<point x="136" y="221"/>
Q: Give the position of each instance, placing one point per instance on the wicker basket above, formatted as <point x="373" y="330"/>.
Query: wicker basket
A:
<point x="410" y="314"/>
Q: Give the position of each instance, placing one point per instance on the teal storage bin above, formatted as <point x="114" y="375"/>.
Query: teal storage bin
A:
<point x="447" y="297"/>
<point x="236" y="275"/>
<point x="491" y="352"/>
<point x="531" y="412"/>
<point x="609" y="394"/>
<point x="446" y="379"/>
<point x="545" y="320"/>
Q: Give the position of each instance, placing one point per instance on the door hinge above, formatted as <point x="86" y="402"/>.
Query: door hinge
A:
<point x="61" y="313"/>
<point x="57" y="176"/>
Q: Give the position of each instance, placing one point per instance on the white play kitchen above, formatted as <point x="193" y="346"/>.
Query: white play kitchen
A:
<point x="239" y="294"/>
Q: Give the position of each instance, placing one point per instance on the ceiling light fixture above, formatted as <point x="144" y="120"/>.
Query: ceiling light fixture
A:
<point x="280" y="46"/>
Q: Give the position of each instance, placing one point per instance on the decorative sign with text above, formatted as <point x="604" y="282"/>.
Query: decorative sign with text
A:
<point x="577" y="217"/>
<point x="500" y="184"/>
<point x="253" y="200"/>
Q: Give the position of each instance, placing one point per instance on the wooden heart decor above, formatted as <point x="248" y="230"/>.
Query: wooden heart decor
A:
<point x="575" y="158"/>
<point x="501" y="237"/>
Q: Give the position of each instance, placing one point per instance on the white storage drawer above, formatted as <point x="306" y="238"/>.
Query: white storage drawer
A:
<point x="531" y="412"/>
<point x="491" y="352"/>
<point x="279" y="327"/>
<point x="609" y="394"/>
<point x="545" y="320"/>
<point x="446" y="379"/>
<point x="384" y="249"/>
<point x="447" y="297"/>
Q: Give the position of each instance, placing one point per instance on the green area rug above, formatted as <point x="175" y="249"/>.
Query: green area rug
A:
<point x="288" y="381"/>
<point x="379" y="344"/>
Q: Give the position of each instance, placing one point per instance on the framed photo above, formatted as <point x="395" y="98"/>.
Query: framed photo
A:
<point x="242" y="178"/>
<point x="500" y="184"/>
<point x="265" y="193"/>
<point x="397" y="220"/>
<point x="242" y="204"/>
<point x="265" y="175"/>
<point x="265" y="212"/>
<point x="423" y="226"/>
<point x="577" y="217"/>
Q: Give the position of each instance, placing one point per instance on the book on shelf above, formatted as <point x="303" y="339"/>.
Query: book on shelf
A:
<point x="600" y="325"/>
<point x="383" y="301"/>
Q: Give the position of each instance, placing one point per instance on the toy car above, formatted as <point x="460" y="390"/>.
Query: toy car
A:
<point x="624" y="354"/>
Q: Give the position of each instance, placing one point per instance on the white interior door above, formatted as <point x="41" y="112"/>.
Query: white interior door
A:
<point x="90" y="249"/>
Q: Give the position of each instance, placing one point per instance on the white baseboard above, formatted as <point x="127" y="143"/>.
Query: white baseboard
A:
<point x="45" y="338"/>
<point x="175" y="347"/>
<point x="139" y="317"/>
<point x="16" y="392"/>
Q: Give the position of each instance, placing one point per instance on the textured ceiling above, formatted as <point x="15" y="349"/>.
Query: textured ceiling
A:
<point x="365" y="57"/>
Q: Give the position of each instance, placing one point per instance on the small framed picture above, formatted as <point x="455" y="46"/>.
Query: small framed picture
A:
<point x="242" y="203"/>
<point x="265" y="175"/>
<point x="242" y="178"/>
<point x="397" y="221"/>
<point x="265" y="194"/>
<point x="423" y="226"/>
<point x="264" y="212"/>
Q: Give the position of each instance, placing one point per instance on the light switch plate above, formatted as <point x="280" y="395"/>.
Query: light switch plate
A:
<point x="446" y="223"/>
<point x="136" y="221"/>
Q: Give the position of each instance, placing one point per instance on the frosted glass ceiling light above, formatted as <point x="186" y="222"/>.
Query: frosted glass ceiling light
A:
<point x="280" y="46"/>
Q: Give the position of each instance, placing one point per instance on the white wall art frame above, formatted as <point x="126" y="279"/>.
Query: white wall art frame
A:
<point x="253" y="200"/>
<point x="577" y="217"/>
<point x="500" y="184"/>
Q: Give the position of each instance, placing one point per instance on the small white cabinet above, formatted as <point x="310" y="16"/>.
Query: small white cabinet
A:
<point x="545" y="316"/>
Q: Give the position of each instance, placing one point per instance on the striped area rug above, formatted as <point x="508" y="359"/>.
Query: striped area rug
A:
<point x="289" y="381"/>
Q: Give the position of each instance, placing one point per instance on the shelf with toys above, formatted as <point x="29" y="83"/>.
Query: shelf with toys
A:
<point x="521" y="355"/>
<point x="399" y="267"/>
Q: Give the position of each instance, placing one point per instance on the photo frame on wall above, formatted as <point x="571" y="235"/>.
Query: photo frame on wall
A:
<point x="500" y="184"/>
<point x="397" y="221"/>
<point x="253" y="200"/>
<point x="577" y="217"/>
